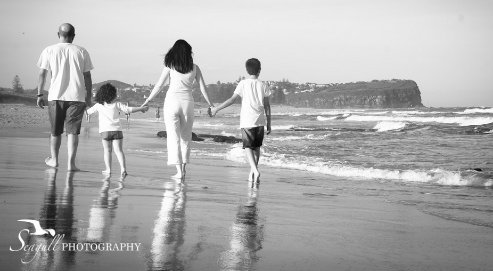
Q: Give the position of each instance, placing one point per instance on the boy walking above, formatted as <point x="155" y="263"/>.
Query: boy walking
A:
<point x="255" y="114"/>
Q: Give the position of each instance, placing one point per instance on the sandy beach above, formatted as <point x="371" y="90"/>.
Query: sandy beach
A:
<point x="213" y="220"/>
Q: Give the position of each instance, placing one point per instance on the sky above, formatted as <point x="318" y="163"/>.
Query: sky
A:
<point x="445" y="46"/>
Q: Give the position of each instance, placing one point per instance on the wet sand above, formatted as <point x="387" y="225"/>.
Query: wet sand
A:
<point x="214" y="220"/>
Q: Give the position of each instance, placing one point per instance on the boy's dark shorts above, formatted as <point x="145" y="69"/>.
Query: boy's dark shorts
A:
<point x="66" y="114"/>
<point x="252" y="137"/>
<point x="112" y="135"/>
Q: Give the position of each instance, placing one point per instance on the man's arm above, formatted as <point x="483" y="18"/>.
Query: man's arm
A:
<point x="267" y="113"/>
<point x="41" y="84"/>
<point x="225" y="104"/>
<point x="88" y="83"/>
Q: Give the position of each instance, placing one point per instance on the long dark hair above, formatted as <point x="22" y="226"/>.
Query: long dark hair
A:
<point x="179" y="57"/>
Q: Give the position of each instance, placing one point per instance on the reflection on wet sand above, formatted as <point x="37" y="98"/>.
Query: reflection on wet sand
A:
<point x="87" y="132"/>
<point x="58" y="216"/>
<point x="247" y="234"/>
<point x="103" y="212"/>
<point x="169" y="229"/>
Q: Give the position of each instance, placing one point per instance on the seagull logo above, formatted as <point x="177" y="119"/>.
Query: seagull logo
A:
<point x="37" y="227"/>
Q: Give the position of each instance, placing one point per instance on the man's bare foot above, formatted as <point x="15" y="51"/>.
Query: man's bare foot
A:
<point x="106" y="171"/>
<point x="51" y="162"/>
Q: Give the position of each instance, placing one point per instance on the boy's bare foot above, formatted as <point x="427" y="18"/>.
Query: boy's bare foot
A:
<point x="106" y="171"/>
<point x="50" y="162"/>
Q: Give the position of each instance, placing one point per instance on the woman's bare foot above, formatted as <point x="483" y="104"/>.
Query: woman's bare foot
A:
<point x="106" y="171"/>
<point x="177" y="176"/>
<point x="50" y="162"/>
<point x="250" y="176"/>
<point x="256" y="177"/>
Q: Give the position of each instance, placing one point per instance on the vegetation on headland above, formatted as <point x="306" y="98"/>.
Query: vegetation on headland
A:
<point x="393" y="93"/>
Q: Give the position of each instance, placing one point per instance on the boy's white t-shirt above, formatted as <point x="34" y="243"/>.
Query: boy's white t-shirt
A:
<point x="109" y="119"/>
<point x="59" y="59"/>
<point x="252" y="93"/>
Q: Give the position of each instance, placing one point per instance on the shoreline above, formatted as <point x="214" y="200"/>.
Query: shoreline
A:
<point x="215" y="220"/>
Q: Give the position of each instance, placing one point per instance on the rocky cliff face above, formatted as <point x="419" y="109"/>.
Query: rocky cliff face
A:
<point x="375" y="94"/>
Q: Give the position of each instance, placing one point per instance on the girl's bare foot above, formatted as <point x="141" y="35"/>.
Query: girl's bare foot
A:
<point x="50" y="162"/>
<point x="106" y="171"/>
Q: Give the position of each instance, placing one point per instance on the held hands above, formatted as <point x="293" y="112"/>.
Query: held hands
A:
<point x="88" y="102"/>
<point x="144" y="108"/>
<point x="212" y="111"/>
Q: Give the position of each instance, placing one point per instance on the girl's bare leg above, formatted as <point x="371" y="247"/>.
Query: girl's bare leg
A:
<point x="108" y="149"/>
<point x="118" y="146"/>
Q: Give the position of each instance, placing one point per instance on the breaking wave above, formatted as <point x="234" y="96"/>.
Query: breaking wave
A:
<point x="462" y="121"/>
<point x="389" y="126"/>
<point x="434" y="176"/>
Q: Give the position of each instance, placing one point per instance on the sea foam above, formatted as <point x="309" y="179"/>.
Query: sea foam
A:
<point x="477" y="110"/>
<point x="462" y="121"/>
<point x="434" y="176"/>
<point x="389" y="126"/>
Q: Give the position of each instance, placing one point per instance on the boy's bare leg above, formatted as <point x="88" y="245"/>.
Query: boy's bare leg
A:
<point x="257" y="155"/>
<point x="252" y="160"/>
<point x="108" y="149"/>
<point x="118" y="146"/>
<point x="72" y="144"/>
<point x="55" y="142"/>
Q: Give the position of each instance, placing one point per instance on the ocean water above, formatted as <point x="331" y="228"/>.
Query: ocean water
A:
<point x="427" y="157"/>
<point x="437" y="159"/>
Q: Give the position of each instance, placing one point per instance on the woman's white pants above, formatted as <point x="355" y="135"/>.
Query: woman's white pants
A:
<point x="178" y="117"/>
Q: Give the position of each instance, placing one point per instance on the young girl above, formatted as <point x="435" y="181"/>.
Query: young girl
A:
<point x="109" y="124"/>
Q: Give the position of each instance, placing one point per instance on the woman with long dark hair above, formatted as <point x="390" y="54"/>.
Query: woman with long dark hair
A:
<point x="178" y="110"/>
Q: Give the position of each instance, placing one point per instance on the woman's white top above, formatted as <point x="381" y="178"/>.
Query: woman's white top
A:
<point x="181" y="85"/>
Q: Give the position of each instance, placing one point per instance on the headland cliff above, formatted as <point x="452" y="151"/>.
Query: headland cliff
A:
<point x="374" y="94"/>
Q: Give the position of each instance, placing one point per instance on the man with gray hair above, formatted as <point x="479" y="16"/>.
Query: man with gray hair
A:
<point x="69" y="94"/>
